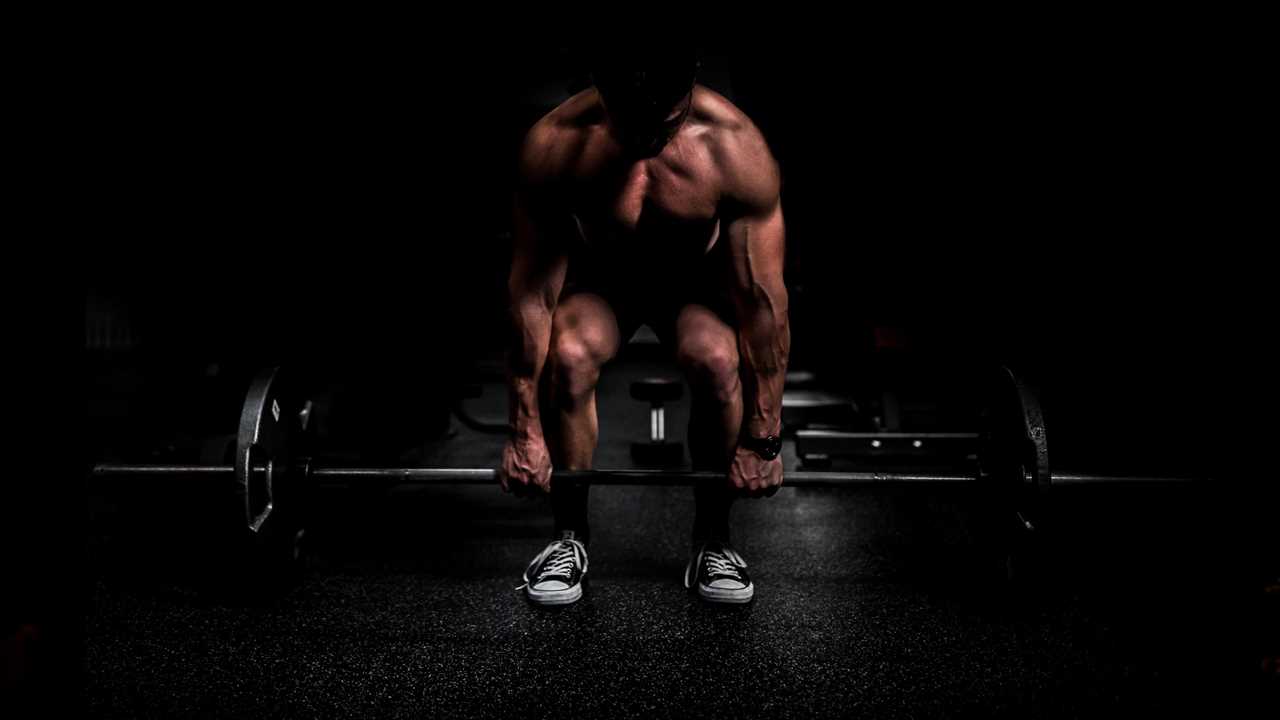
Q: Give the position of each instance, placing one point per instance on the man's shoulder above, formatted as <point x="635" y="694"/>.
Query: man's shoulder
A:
<point x="553" y="145"/>
<point x="718" y="112"/>
<point x="739" y="148"/>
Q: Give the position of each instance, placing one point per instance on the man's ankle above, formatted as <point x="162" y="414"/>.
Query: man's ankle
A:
<point x="711" y="515"/>
<point x="581" y="534"/>
<point x="715" y="534"/>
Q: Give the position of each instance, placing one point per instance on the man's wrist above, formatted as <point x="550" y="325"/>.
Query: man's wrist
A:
<point x="767" y="447"/>
<point x="761" y="428"/>
<point x="525" y="428"/>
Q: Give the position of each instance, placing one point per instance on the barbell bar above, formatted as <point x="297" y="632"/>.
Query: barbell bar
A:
<point x="673" y="478"/>
<point x="270" y="473"/>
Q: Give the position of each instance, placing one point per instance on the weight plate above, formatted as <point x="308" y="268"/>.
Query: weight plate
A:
<point x="1017" y="457"/>
<point x="1036" y="441"/>
<point x="269" y="423"/>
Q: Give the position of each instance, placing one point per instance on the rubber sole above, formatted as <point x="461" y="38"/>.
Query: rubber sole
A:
<point x="568" y="596"/>
<point x="722" y="595"/>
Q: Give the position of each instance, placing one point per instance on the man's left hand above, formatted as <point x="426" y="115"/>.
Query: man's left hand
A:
<point x="753" y="475"/>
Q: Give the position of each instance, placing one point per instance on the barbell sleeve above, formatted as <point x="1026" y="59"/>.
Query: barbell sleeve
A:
<point x="1061" y="480"/>
<point x="116" y="470"/>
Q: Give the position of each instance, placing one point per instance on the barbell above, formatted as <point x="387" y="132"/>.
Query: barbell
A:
<point x="271" y="473"/>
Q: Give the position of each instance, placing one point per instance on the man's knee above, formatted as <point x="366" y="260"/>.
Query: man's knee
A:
<point x="712" y="366"/>
<point x="575" y="368"/>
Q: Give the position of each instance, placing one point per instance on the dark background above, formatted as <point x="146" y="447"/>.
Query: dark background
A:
<point x="1051" y="202"/>
<point x="1069" y="202"/>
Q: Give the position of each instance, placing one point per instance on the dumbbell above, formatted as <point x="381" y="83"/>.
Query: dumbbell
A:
<point x="657" y="451"/>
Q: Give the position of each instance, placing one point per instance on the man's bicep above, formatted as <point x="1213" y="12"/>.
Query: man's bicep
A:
<point x="752" y="201"/>
<point x="758" y="249"/>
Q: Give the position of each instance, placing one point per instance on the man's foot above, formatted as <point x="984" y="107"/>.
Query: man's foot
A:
<point x="719" y="574"/>
<point x="555" y="575"/>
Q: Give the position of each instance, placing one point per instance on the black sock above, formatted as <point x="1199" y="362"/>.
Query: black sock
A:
<point x="711" y="513"/>
<point x="569" y="504"/>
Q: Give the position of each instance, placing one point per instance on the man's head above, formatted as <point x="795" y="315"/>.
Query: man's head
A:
<point x="646" y="92"/>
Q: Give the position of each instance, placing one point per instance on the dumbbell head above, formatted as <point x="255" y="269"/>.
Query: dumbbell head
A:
<point x="657" y="391"/>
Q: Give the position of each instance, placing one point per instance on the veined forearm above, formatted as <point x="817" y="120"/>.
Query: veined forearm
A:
<point x="530" y="337"/>
<point x="764" y="343"/>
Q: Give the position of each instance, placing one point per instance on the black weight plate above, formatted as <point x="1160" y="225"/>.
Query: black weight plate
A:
<point x="1015" y="468"/>
<point x="1017" y="454"/>
<point x="268" y="425"/>
<point x="1036" y="441"/>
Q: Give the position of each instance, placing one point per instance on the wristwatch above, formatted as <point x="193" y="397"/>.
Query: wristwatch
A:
<point x="766" y="447"/>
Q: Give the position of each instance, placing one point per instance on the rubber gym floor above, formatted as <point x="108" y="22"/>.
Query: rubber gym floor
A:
<point x="869" y="603"/>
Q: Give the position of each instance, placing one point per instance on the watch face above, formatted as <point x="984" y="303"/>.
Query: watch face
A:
<point x="766" y="447"/>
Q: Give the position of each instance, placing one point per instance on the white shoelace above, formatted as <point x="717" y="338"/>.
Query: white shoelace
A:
<point x="561" y="556"/>
<point x="723" y="562"/>
<point x="720" y="564"/>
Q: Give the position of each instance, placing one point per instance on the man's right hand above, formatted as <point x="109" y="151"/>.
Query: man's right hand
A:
<point x="526" y="465"/>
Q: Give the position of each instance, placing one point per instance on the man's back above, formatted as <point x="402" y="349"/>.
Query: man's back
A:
<point x="656" y="210"/>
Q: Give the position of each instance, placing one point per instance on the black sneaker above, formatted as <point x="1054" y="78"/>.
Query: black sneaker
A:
<point x="555" y="575"/>
<point x="719" y="574"/>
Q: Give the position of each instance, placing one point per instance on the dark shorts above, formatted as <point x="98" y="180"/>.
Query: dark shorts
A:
<point x="653" y="298"/>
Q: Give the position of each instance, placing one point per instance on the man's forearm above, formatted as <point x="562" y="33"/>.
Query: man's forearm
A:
<point x="531" y="335"/>
<point x="764" y="343"/>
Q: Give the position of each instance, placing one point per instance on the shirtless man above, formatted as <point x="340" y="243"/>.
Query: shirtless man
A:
<point x="647" y="199"/>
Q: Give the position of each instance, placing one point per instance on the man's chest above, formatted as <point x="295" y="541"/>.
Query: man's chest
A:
<point x="654" y="205"/>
